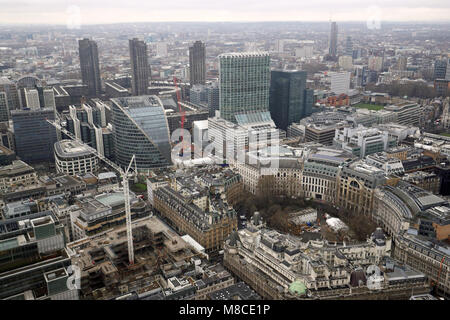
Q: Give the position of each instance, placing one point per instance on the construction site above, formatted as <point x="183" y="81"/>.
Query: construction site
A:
<point x="106" y="272"/>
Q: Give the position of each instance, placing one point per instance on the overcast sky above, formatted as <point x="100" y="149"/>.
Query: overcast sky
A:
<point x="113" y="11"/>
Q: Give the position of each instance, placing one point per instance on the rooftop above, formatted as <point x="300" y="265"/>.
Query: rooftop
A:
<point x="69" y="148"/>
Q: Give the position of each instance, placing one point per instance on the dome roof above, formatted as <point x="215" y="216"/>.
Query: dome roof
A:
<point x="297" y="287"/>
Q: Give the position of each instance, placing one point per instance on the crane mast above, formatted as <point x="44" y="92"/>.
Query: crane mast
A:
<point x="125" y="184"/>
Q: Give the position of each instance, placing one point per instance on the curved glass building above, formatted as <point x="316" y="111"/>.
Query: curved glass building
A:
<point x="140" y="127"/>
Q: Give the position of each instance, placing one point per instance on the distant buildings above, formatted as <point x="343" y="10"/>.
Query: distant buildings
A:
<point x="49" y="98"/>
<point x="90" y="68"/>
<point x="244" y="83"/>
<point x="349" y="46"/>
<point x="290" y="100"/>
<point x="32" y="98"/>
<point x="4" y="109"/>
<point x="34" y="137"/>
<point x="197" y="94"/>
<point x="10" y="89"/>
<point x="402" y="63"/>
<point x="140" y="70"/>
<point x="340" y="82"/>
<point x="346" y="63"/>
<point x="363" y="141"/>
<point x="161" y="49"/>
<point x="197" y="63"/>
<point x="442" y="87"/>
<point x="408" y="113"/>
<point x="140" y="128"/>
<point x="212" y="93"/>
<point x="440" y="68"/>
<point x="323" y="133"/>
<point x="375" y="63"/>
<point x="333" y="40"/>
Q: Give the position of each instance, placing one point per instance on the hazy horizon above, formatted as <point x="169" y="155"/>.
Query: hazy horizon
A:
<point x="57" y="12"/>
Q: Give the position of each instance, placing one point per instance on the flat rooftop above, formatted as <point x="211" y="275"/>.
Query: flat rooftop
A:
<point x="69" y="148"/>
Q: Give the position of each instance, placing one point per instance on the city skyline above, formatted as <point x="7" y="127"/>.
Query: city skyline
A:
<point x="187" y="161"/>
<point x="102" y="12"/>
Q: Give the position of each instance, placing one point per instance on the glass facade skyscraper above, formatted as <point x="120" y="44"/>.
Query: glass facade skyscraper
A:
<point x="290" y="101"/>
<point x="140" y="127"/>
<point x="34" y="136"/>
<point x="4" y="110"/>
<point x="440" y="68"/>
<point x="244" y="83"/>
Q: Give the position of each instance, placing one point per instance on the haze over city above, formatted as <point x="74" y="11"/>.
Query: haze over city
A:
<point x="118" y="11"/>
<point x="224" y="155"/>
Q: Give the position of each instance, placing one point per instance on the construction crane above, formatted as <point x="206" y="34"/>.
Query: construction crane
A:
<point x="124" y="174"/>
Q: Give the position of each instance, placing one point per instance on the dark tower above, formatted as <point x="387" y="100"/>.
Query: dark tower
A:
<point x="197" y="63"/>
<point x="90" y="69"/>
<point x="333" y="40"/>
<point x="290" y="100"/>
<point x="139" y="67"/>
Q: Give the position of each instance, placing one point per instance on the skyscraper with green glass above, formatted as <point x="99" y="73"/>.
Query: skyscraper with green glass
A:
<point x="244" y="83"/>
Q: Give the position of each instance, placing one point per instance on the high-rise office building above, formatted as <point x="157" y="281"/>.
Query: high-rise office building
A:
<point x="140" y="127"/>
<point x="161" y="49"/>
<point x="212" y="92"/>
<point x="349" y="47"/>
<point x="197" y="94"/>
<point x="333" y="40"/>
<point x="375" y="63"/>
<point x="244" y="83"/>
<point x="440" y="68"/>
<point x="49" y="98"/>
<point x="4" y="110"/>
<point x="9" y="87"/>
<point x="290" y="101"/>
<point x="402" y="63"/>
<point x="89" y="124"/>
<point x="197" y="63"/>
<point x="340" y="82"/>
<point x="29" y="82"/>
<point x="34" y="136"/>
<point x="346" y="63"/>
<point x="32" y="98"/>
<point x="140" y="70"/>
<point x="90" y="69"/>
